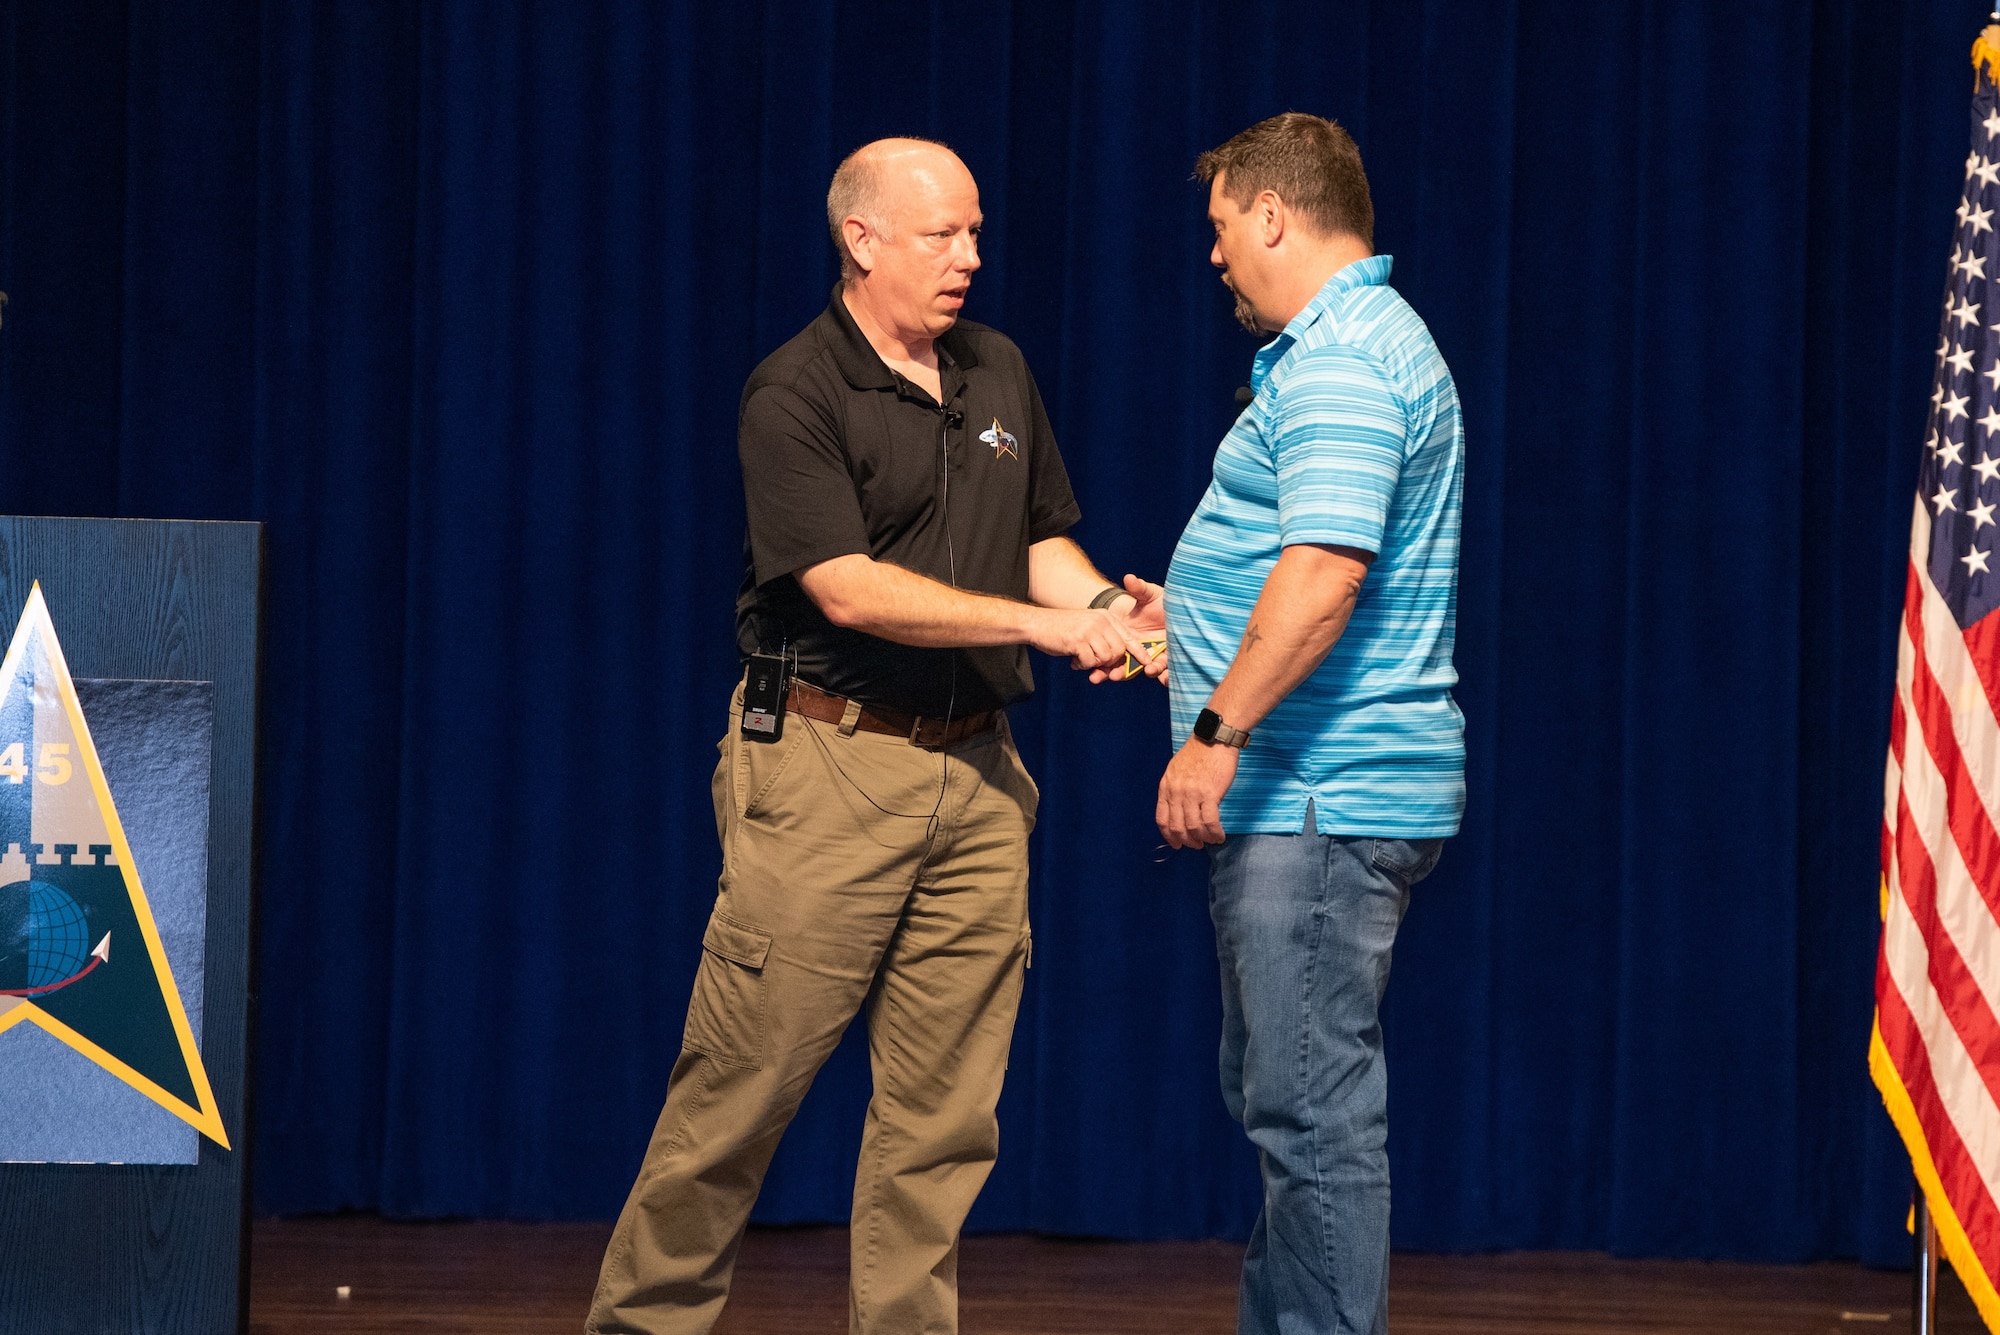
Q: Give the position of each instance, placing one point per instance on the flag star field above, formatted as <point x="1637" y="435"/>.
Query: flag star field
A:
<point x="1961" y="471"/>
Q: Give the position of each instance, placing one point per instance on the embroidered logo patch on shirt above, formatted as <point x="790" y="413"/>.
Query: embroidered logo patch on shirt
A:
<point x="1003" y="442"/>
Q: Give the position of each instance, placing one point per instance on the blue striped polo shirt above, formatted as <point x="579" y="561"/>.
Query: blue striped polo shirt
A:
<point x="1352" y="439"/>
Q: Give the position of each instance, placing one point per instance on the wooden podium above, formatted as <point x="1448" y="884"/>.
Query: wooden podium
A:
<point x="128" y="713"/>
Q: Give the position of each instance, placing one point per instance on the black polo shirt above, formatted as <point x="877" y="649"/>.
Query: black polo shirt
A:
<point x="843" y="455"/>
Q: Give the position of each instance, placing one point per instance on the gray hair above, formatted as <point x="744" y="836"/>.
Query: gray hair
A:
<point x="856" y="192"/>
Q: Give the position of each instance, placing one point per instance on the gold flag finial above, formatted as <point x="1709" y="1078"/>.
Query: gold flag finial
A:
<point x="1986" y="52"/>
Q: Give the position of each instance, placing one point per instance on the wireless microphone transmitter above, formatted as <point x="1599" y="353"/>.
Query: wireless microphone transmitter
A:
<point x="765" y="686"/>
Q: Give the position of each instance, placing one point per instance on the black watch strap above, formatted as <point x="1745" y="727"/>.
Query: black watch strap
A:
<point x="1110" y="594"/>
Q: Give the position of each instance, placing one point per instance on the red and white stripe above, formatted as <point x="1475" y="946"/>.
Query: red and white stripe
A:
<point x="1937" y="984"/>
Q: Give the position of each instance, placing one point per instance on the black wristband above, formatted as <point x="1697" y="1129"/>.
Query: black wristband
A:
<point x="1110" y="595"/>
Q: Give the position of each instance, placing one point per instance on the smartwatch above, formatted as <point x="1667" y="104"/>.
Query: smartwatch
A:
<point x="1209" y="727"/>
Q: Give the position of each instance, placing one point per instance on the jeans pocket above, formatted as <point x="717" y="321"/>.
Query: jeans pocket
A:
<point x="726" y="1014"/>
<point x="1409" y="860"/>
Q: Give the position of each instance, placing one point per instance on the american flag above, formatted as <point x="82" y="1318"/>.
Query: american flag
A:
<point x="1935" y="1052"/>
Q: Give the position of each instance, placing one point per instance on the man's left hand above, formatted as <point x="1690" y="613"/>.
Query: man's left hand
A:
<point x="1189" y="813"/>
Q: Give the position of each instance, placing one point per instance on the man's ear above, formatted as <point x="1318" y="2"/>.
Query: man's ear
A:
<point x="860" y="240"/>
<point x="1270" y="211"/>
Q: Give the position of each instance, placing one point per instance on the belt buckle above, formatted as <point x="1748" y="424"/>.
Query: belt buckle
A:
<point x="920" y="736"/>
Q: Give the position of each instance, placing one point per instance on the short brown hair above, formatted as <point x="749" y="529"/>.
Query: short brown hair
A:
<point x="1308" y="161"/>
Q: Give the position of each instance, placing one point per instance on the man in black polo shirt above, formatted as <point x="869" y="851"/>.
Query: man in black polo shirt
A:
<point x="907" y="511"/>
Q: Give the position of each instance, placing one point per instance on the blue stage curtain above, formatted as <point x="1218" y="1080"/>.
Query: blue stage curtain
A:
<point x="459" y="299"/>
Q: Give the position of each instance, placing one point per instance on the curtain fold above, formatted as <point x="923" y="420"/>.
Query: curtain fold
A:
<point x="459" y="299"/>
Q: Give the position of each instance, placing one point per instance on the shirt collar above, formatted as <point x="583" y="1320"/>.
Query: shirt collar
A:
<point x="1369" y="272"/>
<point x="862" y="367"/>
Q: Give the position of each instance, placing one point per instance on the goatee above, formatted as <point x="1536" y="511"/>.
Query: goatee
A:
<point x="1246" y="314"/>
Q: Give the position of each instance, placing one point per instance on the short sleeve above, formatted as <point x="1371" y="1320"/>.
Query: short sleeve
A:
<point x="1340" y="443"/>
<point x="798" y="496"/>
<point x="1052" y="508"/>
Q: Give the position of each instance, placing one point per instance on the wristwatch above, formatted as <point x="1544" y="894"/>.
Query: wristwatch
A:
<point x="1209" y="727"/>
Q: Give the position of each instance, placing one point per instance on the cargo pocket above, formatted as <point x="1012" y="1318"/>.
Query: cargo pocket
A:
<point x="726" y="1015"/>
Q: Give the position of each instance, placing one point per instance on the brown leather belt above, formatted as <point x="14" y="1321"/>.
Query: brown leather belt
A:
<point x="933" y="733"/>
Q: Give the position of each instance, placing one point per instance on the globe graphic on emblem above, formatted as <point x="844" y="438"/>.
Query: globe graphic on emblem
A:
<point x="44" y="936"/>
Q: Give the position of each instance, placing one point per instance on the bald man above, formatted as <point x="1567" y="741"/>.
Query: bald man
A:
<point x="907" y="521"/>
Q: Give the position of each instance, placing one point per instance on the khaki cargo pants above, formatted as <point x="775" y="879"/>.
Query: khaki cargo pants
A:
<point x="840" y="886"/>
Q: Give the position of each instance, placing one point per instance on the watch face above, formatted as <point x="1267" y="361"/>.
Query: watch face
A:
<point x="1209" y="727"/>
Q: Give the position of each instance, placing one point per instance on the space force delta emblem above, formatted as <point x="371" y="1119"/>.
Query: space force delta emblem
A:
<point x="100" y="1057"/>
<point x="1002" y="440"/>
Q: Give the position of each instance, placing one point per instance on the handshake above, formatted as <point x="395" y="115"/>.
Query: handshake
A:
<point x="1124" y="640"/>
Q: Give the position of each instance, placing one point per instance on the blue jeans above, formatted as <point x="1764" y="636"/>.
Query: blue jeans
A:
<point x="1304" y="924"/>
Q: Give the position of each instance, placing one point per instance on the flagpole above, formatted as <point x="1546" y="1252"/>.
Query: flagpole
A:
<point x="1923" y="1313"/>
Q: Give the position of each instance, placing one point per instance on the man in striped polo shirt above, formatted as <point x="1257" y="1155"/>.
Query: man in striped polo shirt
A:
<point x="1310" y="610"/>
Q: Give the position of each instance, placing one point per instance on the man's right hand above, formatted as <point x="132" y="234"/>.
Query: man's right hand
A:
<point x="1091" y="638"/>
<point x="857" y="592"/>
<point x="1146" y="617"/>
